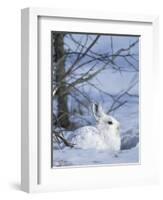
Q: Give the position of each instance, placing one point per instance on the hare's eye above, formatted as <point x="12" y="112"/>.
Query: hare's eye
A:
<point x="110" y="122"/>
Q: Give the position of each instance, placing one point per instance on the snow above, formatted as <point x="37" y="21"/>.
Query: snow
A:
<point x="129" y="153"/>
<point x="77" y="157"/>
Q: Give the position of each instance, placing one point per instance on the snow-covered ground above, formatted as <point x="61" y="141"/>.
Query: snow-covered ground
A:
<point x="78" y="157"/>
<point x="129" y="153"/>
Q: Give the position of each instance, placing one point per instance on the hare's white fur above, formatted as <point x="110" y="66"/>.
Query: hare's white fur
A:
<point x="102" y="136"/>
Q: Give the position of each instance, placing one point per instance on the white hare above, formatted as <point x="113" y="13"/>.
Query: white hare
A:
<point x="105" y="135"/>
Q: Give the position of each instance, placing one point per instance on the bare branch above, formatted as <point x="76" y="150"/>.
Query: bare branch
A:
<point x="82" y="56"/>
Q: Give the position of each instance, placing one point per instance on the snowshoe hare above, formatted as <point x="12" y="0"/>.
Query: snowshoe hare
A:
<point x="104" y="136"/>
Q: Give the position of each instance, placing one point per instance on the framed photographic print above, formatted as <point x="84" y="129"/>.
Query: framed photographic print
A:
<point x="95" y="91"/>
<point x="88" y="112"/>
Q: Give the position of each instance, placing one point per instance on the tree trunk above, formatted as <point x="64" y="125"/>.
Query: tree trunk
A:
<point x="63" y="113"/>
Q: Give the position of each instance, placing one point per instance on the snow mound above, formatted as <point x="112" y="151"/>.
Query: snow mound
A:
<point x="129" y="140"/>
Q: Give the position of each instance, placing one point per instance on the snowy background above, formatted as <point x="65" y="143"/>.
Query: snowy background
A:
<point x="116" y="88"/>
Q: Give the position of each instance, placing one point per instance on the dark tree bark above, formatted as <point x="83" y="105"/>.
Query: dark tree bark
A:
<point x="59" y="58"/>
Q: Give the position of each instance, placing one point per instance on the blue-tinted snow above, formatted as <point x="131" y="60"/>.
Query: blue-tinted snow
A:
<point x="79" y="157"/>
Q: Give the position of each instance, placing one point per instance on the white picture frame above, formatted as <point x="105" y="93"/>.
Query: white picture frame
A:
<point x="36" y="172"/>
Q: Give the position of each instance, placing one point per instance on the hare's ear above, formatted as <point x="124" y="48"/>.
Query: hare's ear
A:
<point x="97" y="111"/>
